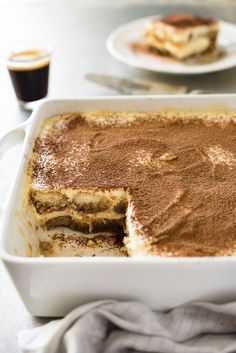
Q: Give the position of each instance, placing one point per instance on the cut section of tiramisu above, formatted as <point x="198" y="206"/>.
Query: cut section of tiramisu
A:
<point x="165" y="182"/>
<point x="181" y="35"/>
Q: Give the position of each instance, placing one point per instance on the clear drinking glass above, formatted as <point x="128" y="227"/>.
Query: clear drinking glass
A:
<point x="28" y="66"/>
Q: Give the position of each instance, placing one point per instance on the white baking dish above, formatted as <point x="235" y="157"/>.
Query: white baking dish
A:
<point x="53" y="286"/>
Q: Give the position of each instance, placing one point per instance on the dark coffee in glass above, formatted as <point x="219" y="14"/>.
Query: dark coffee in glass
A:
<point x="29" y="72"/>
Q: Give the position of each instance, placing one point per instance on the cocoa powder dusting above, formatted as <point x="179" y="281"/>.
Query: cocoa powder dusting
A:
<point x="181" y="177"/>
<point x="185" y="20"/>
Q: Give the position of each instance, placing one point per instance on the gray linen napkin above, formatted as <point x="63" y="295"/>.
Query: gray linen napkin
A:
<point x="114" y="327"/>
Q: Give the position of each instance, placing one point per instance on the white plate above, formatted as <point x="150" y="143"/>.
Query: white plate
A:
<point x="118" y="45"/>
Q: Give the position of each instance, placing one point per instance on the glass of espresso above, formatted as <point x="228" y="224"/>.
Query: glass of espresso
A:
<point x="28" y="66"/>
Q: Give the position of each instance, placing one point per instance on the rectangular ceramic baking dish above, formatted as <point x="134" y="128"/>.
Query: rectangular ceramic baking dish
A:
<point x="53" y="286"/>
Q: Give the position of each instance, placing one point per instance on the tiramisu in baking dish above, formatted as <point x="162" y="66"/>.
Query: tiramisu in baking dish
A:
<point x="109" y="183"/>
<point x="135" y="183"/>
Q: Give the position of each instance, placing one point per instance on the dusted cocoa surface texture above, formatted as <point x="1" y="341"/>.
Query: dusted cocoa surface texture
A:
<point x="186" y="20"/>
<point x="180" y="176"/>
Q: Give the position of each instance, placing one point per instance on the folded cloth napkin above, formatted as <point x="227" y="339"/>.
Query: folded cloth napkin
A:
<point x="112" y="327"/>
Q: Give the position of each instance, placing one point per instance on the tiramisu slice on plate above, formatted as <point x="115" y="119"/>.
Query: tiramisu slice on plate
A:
<point x="165" y="182"/>
<point x="181" y="35"/>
